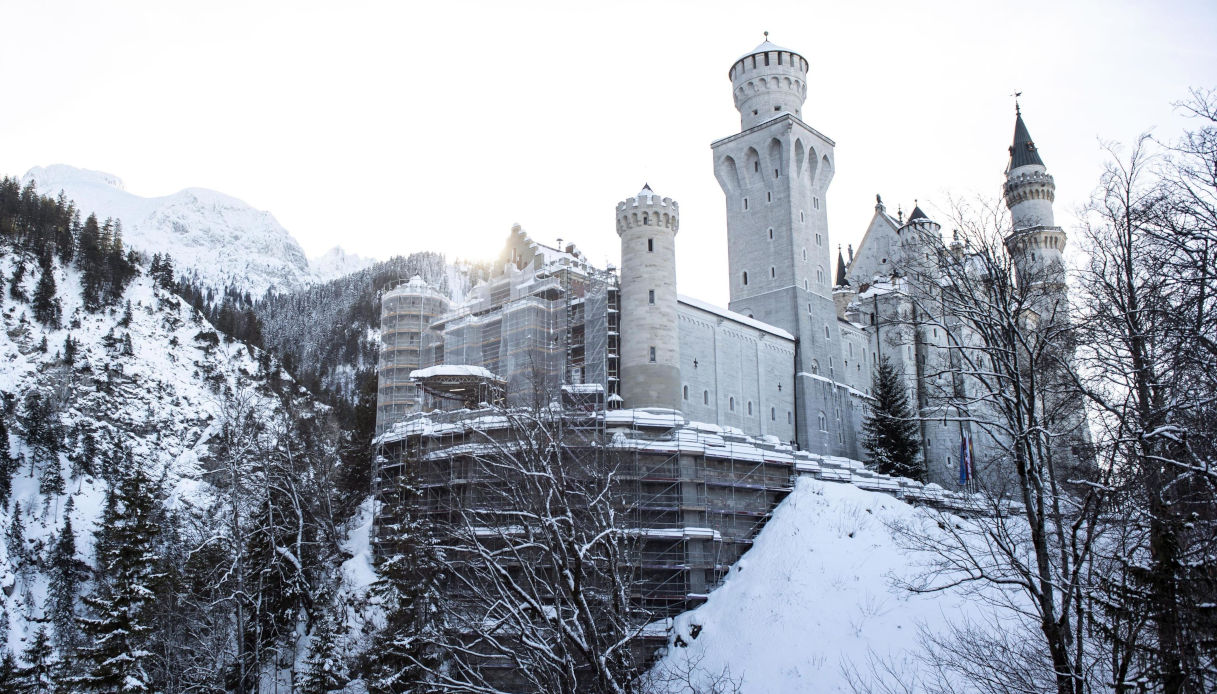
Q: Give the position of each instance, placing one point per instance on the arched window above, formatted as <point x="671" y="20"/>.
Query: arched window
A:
<point x="685" y="392"/>
<point x="731" y="403"/>
<point x="823" y="421"/>
<point x="705" y="397"/>
<point x="745" y="278"/>
<point x="815" y="366"/>
<point x="789" y="417"/>
<point x="749" y="408"/>
<point x="773" y="414"/>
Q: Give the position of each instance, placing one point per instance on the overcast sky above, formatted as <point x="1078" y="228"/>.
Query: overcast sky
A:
<point x="388" y="128"/>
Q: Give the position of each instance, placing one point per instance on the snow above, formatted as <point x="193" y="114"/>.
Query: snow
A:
<point x="441" y="370"/>
<point x="336" y="263"/>
<point x="817" y="594"/>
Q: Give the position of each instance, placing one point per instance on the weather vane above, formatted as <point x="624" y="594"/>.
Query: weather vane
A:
<point x="1016" y="95"/>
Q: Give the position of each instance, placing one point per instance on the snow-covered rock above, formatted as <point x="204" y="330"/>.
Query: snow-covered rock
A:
<point x="336" y="263"/>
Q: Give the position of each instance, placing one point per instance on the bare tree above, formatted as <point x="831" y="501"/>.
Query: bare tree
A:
<point x="532" y="526"/>
<point x="1009" y="374"/>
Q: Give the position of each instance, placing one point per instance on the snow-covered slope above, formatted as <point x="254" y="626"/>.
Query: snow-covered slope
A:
<point x="220" y="239"/>
<point x="154" y="382"/>
<point x="817" y="596"/>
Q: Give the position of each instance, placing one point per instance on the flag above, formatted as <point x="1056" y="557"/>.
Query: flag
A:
<point x="965" y="459"/>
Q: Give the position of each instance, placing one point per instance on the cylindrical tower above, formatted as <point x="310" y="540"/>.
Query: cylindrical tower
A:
<point x="767" y="81"/>
<point x="406" y="314"/>
<point x="1036" y="244"/>
<point x="650" y="345"/>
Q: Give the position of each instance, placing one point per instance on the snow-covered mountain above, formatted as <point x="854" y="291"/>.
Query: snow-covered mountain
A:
<point x="336" y="263"/>
<point x="214" y="237"/>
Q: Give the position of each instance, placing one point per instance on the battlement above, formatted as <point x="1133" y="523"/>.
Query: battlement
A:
<point x="648" y="209"/>
<point x="768" y="81"/>
<point x="1030" y="185"/>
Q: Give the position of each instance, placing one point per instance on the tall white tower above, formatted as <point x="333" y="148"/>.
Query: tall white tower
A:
<point x="650" y="342"/>
<point x="775" y="173"/>
<point x="1036" y="244"/>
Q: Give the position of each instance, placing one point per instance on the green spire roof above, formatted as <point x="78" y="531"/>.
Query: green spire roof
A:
<point x="841" y="281"/>
<point x="1023" y="151"/>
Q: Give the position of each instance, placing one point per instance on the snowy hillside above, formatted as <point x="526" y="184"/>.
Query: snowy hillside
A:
<point x="146" y="382"/>
<point x="217" y="238"/>
<point x="817" y="597"/>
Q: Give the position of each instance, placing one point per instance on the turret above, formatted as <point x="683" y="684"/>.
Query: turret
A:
<point x="650" y="345"/>
<point x="1036" y="244"/>
<point x="767" y="81"/>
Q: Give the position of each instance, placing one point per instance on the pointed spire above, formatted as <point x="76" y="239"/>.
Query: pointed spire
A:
<point x="841" y="281"/>
<point x="1023" y="151"/>
<point x="917" y="213"/>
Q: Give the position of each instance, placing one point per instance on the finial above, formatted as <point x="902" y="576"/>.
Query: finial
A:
<point x="878" y="200"/>
<point x="766" y="36"/>
<point x="900" y="214"/>
<point x="1017" y="111"/>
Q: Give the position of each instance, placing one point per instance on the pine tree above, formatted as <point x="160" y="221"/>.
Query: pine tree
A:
<point x="116" y="658"/>
<point x="38" y="676"/>
<point x="15" y="280"/>
<point x="45" y="303"/>
<point x="325" y="671"/>
<point x="890" y="431"/>
<point x="66" y="573"/>
<point x="15" y="539"/>
<point x="9" y="681"/>
<point x="8" y="465"/>
<point x="409" y="591"/>
<point x="69" y="350"/>
<point x="50" y="482"/>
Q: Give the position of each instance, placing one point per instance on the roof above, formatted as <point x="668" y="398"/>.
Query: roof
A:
<point x="841" y="281"/>
<point x="764" y="47"/>
<point x="1023" y="151"/>
<point x="917" y="214"/>
<point x="732" y="315"/>
<point x="454" y="371"/>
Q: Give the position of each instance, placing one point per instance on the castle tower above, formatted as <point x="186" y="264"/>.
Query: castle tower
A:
<point x="650" y="345"/>
<point x="775" y="173"/>
<point x="1036" y="244"/>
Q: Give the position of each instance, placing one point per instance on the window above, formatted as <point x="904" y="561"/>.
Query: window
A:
<point x="822" y="421"/>
<point x="772" y="272"/>
<point x="756" y="165"/>
<point x="770" y="233"/>
<point x="731" y="403"/>
<point x="745" y="203"/>
<point x="749" y="408"/>
<point x="705" y="397"/>
<point x="789" y="417"/>
<point x="819" y="239"/>
<point x="768" y="197"/>
<point x="745" y="277"/>
<point x="650" y="296"/>
<point x="775" y="173"/>
<point x="827" y="337"/>
<point x="652" y="354"/>
<point x="773" y="414"/>
<point x="804" y="255"/>
<point x="801" y="216"/>
<point x="644" y="218"/>
<point x="820" y="276"/>
<point x="806" y="288"/>
<point x="815" y="367"/>
<point x="778" y="108"/>
<point x="684" y="393"/>
<point x="650" y="245"/>
<point x="815" y="203"/>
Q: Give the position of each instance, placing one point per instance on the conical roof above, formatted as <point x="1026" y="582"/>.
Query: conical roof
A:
<point x="841" y="281"/>
<point x="917" y="214"/>
<point x="1023" y="151"/>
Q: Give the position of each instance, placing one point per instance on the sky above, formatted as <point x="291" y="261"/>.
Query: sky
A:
<point x="389" y="128"/>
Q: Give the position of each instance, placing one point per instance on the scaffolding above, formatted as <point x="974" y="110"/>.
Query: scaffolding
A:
<point x="407" y="310"/>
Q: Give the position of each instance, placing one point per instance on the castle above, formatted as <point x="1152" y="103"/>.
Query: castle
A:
<point x="789" y="362"/>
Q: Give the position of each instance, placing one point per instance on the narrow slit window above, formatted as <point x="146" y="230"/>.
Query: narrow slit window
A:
<point x="650" y="296"/>
<point x="650" y="245"/>
<point x="652" y="354"/>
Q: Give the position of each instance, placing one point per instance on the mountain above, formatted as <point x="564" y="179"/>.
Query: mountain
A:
<point x="336" y="263"/>
<point x="214" y="238"/>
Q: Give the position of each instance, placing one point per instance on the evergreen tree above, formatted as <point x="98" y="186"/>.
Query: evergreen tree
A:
<point x="15" y="289"/>
<point x="325" y="670"/>
<point x="69" y="350"/>
<point x="117" y="656"/>
<point x="89" y="260"/>
<point x="411" y="574"/>
<point x="15" y="539"/>
<point x="45" y="303"/>
<point x="66" y="574"/>
<point x="50" y="482"/>
<point x="8" y="465"/>
<point x="9" y="680"/>
<point x="38" y="676"/>
<point x="890" y="431"/>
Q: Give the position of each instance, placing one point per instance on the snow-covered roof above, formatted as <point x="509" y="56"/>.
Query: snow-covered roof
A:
<point x="454" y="370"/>
<point x="733" y="316"/>
<point x="765" y="47"/>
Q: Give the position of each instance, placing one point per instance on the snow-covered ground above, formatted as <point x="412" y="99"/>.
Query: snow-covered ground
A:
<point x="819" y="594"/>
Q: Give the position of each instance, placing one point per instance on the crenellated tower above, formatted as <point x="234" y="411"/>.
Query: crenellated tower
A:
<point x="775" y="174"/>
<point x="650" y="349"/>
